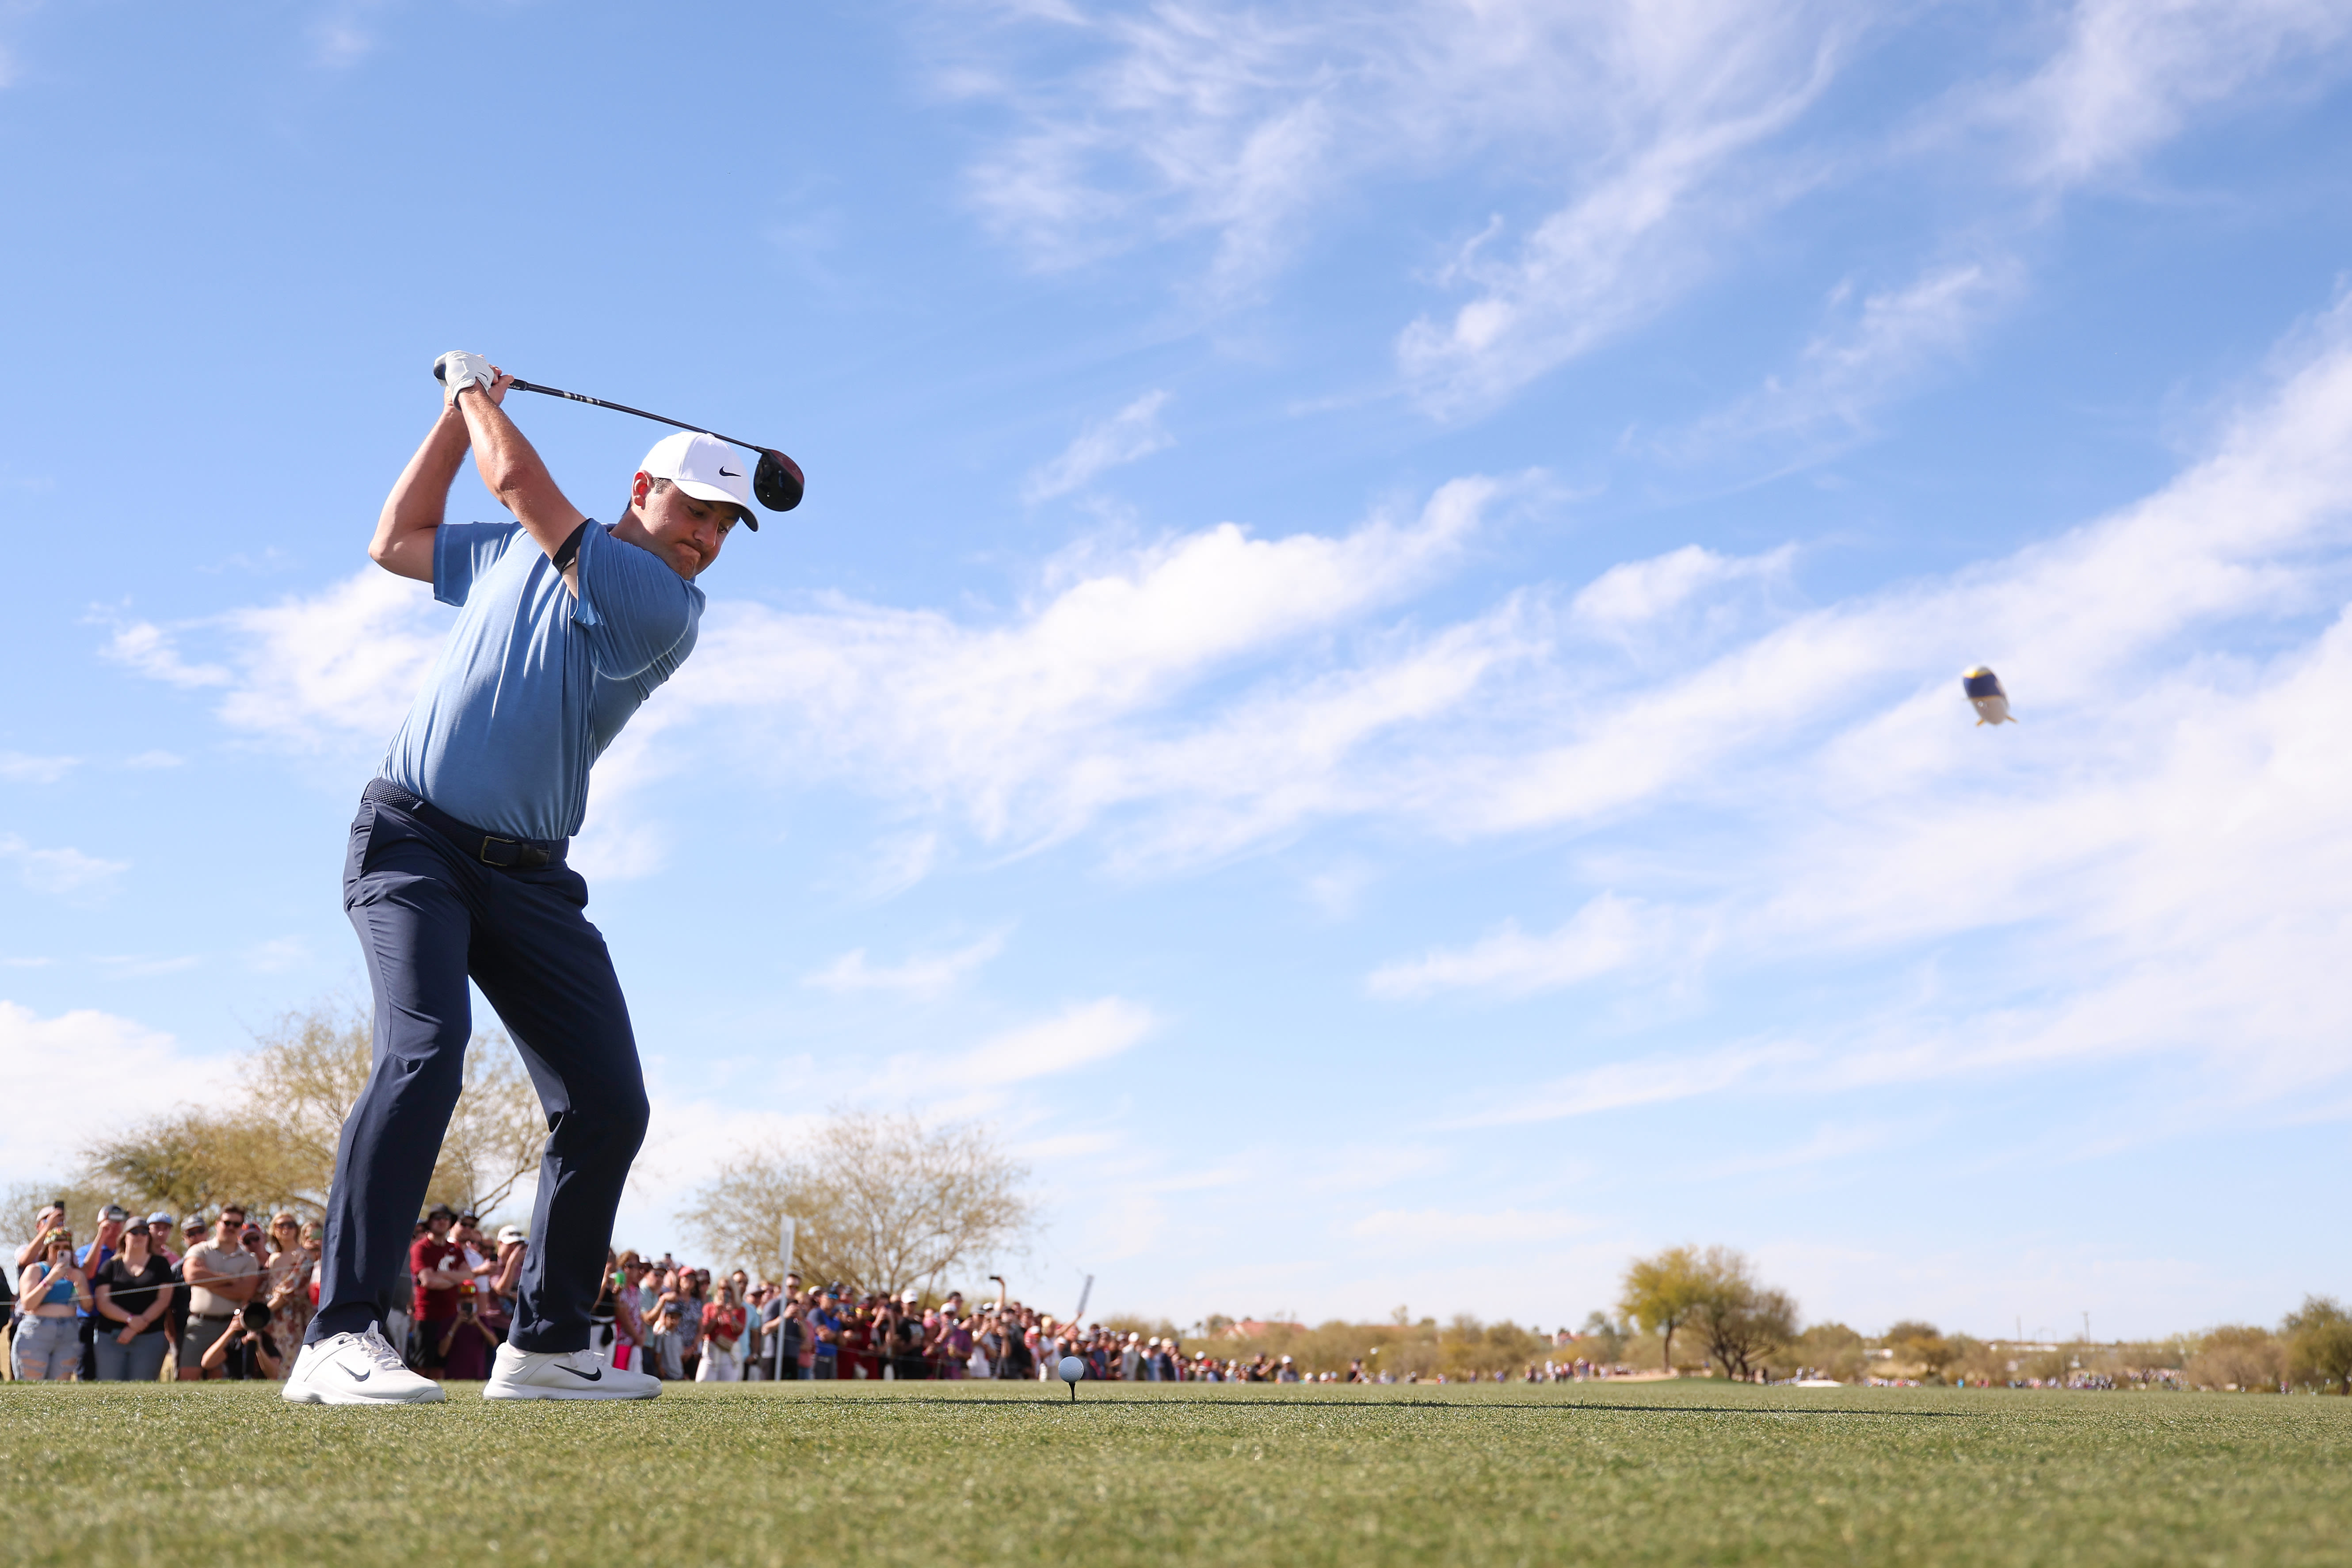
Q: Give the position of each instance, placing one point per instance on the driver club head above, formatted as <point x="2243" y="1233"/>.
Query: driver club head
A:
<point x="777" y="481"/>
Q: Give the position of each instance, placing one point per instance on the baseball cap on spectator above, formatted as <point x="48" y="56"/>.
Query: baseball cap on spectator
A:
<point x="158" y="1219"/>
<point x="441" y="1211"/>
<point x="195" y="1226"/>
<point x="114" y="1212"/>
<point x="511" y="1233"/>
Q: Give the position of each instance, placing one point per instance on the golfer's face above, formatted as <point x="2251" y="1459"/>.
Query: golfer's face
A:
<point x="687" y="533"/>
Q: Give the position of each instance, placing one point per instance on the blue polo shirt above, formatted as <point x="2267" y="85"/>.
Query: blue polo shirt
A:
<point x="534" y="681"/>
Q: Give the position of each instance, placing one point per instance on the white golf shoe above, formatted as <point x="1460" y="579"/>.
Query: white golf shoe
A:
<point x="356" y="1369"/>
<point x="566" y="1374"/>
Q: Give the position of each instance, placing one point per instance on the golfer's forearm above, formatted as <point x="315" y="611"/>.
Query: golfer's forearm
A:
<point x="413" y="511"/>
<point x="511" y="467"/>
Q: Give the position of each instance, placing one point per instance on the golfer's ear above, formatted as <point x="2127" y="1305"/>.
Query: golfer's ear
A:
<point x="639" y="488"/>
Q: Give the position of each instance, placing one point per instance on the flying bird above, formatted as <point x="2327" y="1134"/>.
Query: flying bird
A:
<point x="1986" y="696"/>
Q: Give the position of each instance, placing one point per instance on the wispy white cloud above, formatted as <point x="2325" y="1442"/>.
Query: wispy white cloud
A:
<point x="153" y="652"/>
<point x="1627" y="144"/>
<point x="341" y="35"/>
<point x="1893" y="340"/>
<point x="1132" y="126"/>
<point x="334" y="668"/>
<point x="1620" y="1086"/>
<point x="143" y="1070"/>
<point x="278" y="955"/>
<point x="1081" y="1035"/>
<point x="1705" y="91"/>
<point x="18" y="767"/>
<point x="1606" y="935"/>
<point x="1028" y="730"/>
<point x="2129" y="76"/>
<point x="2124" y="80"/>
<point x="1636" y="599"/>
<point x="1447" y="1228"/>
<point x="924" y="975"/>
<point x="1133" y="432"/>
<point x="60" y="870"/>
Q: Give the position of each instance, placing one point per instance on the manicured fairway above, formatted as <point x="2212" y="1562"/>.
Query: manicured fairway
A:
<point x="945" y="1475"/>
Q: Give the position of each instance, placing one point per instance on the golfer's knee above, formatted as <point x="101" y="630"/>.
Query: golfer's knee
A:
<point x="423" y="1073"/>
<point x="611" y="1119"/>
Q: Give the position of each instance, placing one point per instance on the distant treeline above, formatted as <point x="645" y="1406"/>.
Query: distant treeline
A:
<point x="1706" y="1312"/>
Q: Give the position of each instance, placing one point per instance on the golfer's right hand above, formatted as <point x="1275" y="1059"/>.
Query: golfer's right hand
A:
<point x="459" y="370"/>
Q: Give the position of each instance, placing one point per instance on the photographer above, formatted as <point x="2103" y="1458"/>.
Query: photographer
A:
<point x="134" y="1294"/>
<point x="467" y="1343"/>
<point x="245" y="1353"/>
<point x="222" y="1277"/>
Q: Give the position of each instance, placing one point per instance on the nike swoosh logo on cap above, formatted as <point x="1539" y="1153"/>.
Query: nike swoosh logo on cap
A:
<point x="729" y="474"/>
<point x="596" y="1376"/>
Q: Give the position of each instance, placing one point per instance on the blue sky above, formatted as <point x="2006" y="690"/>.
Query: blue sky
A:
<point x="1370" y="670"/>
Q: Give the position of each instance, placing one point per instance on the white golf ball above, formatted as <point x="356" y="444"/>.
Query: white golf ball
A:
<point x="1072" y="1369"/>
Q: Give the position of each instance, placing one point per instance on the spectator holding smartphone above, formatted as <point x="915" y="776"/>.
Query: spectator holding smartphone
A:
<point x="289" y="1272"/>
<point x="133" y="1291"/>
<point x="48" y="1223"/>
<point x="47" y="1346"/>
<point x="722" y="1327"/>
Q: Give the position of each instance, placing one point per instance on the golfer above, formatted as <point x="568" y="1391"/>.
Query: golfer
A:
<point x="456" y="871"/>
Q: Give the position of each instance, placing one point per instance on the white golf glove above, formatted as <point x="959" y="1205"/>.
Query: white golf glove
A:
<point x="459" y="370"/>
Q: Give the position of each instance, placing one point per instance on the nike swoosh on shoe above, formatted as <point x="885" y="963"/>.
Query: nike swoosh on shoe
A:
<point x="596" y="1376"/>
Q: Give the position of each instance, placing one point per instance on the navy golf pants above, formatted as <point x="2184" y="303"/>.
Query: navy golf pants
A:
<point x="430" y="915"/>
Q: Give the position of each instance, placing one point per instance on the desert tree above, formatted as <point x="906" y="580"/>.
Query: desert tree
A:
<point x="1660" y="1293"/>
<point x="1739" y="1318"/>
<point x="1923" y="1345"/>
<point x="880" y="1203"/>
<point x="2319" y="1343"/>
<point x="2241" y="1356"/>
<point x="273" y="1141"/>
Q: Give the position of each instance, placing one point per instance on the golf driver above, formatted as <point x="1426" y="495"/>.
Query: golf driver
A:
<point x="776" y="481"/>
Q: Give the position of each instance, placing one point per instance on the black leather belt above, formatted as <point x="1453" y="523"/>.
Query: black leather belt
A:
<point x="489" y="848"/>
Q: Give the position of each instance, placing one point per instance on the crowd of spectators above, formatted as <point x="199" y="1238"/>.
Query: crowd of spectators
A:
<point x="224" y="1298"/>
<point x="231" y="1297"/>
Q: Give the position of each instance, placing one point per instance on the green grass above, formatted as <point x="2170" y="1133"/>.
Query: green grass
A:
<point x="945" y="1475"/>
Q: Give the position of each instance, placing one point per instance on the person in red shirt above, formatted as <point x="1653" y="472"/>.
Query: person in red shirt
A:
<point x="437" y="1264"/>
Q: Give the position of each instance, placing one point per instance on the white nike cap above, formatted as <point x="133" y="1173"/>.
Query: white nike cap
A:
<point x="704" y="468"/>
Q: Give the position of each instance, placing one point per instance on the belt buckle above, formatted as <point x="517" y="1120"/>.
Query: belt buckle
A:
<point x="514" y="849"/>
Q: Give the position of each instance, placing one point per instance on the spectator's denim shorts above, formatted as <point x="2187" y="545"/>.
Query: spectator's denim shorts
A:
<point x="47" y="1348"/>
